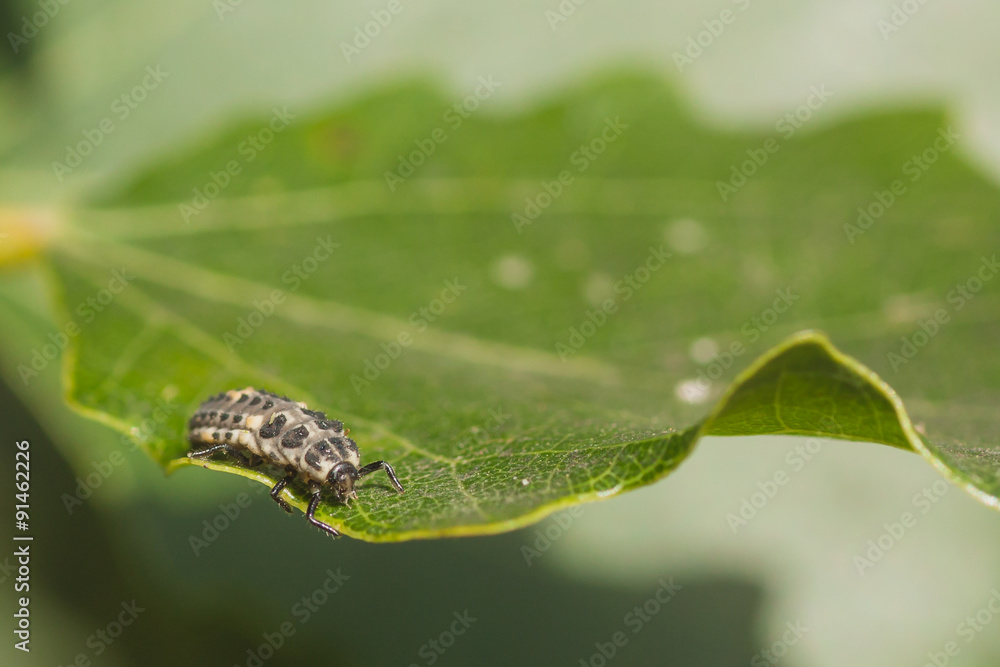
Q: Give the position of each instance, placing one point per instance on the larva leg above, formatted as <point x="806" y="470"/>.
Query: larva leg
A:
<point x="311" y="515"/>
<point x="204" y="453"/>
<point x="276" y="490"/>
<point x="232" y="451"/>
<point x="381" y="465"/>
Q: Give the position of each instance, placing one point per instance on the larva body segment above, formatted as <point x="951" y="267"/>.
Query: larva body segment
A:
<point x="281" y="431"/>
<point x="256" y="426"/>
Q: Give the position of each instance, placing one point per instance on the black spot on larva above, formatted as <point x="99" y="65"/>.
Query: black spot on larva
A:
<point x="295" y="437"/>
<point x="312" y="458"/>
<point x="242" y="398"/>
<point x="274" y="428"/>
<point x="340" y="446"/>
<point x="213" y="414"/>
<point x="229" y="435"/>
<point x="314" y="413"/>
<point x="268" y="404"/>
<point x="223" y="416"/>
<point x="256" y="400"/>
<point x="215" y="436"/>
<point x="326" y="425"/>
<point x="237" y="419"/>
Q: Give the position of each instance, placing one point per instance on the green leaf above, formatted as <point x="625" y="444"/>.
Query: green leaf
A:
<point x="510" y="366"/>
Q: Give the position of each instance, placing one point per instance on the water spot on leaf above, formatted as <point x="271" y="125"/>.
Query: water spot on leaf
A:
<point x="703" y="349"/>
<point x="906" y="308"/>
<point x="513" y="272"/>
<point x="692" y="391"/>
<point x="686" y="236"/>
<point x="598" y="288"/>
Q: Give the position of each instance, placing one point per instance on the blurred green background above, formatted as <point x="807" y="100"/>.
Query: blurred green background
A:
<point x="739" y="591"/>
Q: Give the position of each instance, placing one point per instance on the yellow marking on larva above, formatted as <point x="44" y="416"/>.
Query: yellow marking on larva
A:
<point x="206" y="436"/>
<point x="254" y="422"/>
<point x="233" y="394"/>
<point x="244" y="438"/>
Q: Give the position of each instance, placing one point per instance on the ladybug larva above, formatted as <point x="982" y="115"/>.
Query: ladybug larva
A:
<point x="274" y="429"/>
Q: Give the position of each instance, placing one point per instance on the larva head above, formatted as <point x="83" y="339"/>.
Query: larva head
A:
<point x="341" y="480"/>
